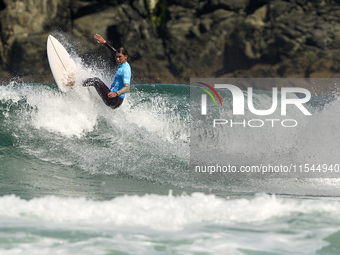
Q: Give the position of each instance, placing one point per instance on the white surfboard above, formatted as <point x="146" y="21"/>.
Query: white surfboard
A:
<point x="61" y="63"/>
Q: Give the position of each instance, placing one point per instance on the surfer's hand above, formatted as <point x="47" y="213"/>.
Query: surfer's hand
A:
<point x="99" y="39"/>
<point x="112" y="94"/>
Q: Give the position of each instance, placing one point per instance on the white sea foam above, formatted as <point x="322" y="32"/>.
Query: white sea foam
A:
<point x="154" y="224"/>
<point x="62" y="113"/>
<point x="169" y="213"/>
<point x="155" y="118"/>
<point x="7" y="93"/>
<point x="76" y="112"/>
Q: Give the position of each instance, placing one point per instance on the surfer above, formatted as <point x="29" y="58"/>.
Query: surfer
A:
<point x="114" y="96"/>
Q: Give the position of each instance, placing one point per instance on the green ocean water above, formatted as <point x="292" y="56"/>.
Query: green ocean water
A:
<point x="79" y="178"/>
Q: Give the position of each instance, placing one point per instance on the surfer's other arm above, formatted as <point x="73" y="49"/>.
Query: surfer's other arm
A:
<point x="124" y="90"/>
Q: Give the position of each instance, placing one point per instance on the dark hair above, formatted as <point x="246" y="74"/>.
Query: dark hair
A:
<point x="122" y="51"/>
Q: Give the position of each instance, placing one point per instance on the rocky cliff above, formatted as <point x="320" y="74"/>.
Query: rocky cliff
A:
<point x="172" y="40"/>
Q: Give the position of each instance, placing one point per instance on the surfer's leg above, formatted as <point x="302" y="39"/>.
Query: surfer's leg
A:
<point x="101" y="88"/>
<point x="103" y="92"/>
<point x="116" y="102"/>
<point x="96" y="82"/>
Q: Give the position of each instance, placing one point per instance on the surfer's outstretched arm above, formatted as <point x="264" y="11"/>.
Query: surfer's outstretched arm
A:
<point x="101" y="40"/>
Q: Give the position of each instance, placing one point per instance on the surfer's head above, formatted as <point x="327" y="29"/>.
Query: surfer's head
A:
<point x="121" y="55"/>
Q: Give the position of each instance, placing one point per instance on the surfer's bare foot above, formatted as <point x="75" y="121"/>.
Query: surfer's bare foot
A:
<point x="70" y="80"/>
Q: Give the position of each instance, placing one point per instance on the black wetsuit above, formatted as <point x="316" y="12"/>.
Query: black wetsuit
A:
<point x="103" y="92"/>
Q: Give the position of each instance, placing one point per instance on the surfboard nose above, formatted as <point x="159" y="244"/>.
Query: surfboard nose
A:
<point x="50" y="37"/>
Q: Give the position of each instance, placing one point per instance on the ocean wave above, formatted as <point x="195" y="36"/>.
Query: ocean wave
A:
<point x="166" y="213"/>
<point x="149" y="137"/>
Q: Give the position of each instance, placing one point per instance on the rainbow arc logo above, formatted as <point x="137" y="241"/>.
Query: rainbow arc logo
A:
<point x="204" y="97"/>
<point x="208" y="92"/>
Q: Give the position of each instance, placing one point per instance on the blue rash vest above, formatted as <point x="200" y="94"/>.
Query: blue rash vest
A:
<point x="123" y="75"/>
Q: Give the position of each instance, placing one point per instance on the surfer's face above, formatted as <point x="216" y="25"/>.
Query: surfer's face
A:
<point x="121" y="58"/>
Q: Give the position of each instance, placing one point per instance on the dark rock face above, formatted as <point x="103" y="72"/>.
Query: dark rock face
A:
<point x="23" y="27"/>
<point x="173" y="40"/>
